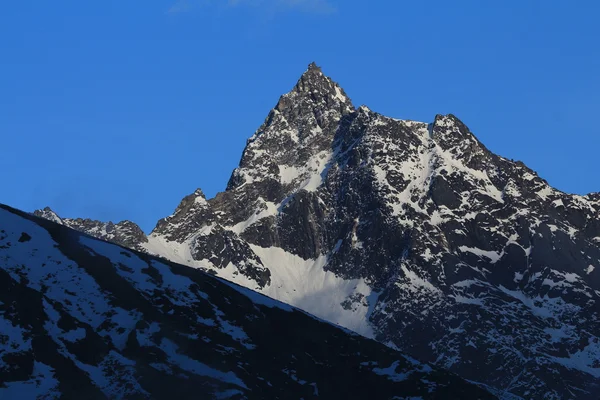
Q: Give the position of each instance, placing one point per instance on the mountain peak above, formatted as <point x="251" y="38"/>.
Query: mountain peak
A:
<point x="49" y="214"/>
<point x="315" y="72"/>
<point x="318" y="89"/>
<point x="194" y="205"/>
<point x="313" y="66"/>
<point x="449" y="131"/>
<point x="199" y="193"/>
<point x="302" y="125"/>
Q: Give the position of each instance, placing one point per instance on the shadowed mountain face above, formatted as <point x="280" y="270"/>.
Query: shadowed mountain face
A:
<point x="411" y="233"/>
<point x="83" y="318"/>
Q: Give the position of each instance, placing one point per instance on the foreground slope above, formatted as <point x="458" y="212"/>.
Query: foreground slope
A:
<point x="412" y="233"/>
<point x="83" y="318"/>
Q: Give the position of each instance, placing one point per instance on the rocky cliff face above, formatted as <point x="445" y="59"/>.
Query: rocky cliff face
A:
<point x="412" y="233"/>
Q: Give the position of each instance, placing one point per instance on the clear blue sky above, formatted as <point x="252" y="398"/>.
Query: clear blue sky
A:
<point x="117" y="109"/>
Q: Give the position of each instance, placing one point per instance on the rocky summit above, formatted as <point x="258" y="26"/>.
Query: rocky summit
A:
<point x="410" y="233"/>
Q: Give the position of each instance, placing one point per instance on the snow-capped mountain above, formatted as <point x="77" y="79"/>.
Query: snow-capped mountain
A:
<point x="412" y="233"/>
<point x="85" y="319"/>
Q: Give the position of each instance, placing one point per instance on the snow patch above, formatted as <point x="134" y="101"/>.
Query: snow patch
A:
<point x="391" y="373"/>
<point x="467" y="300"/>
<point x="589" y="269"/>
<point x="416" y="282"/>
<point x="491" y="255"/>
<point x="196" y="367"/>
<point x="306" y="285"/>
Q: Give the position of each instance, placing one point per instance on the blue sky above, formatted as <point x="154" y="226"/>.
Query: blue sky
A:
<point x="117" y="109"/>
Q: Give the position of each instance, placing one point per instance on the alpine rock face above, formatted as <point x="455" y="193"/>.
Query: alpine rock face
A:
<point x="412" y="233"/>
<point x="81" y="318"/>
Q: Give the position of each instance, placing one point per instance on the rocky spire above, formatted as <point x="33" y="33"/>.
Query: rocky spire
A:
<point x="302" y="124"/>
<point x="49" y="214"/>
<point x="192" y="213"/>
<point x="316" y="91"/>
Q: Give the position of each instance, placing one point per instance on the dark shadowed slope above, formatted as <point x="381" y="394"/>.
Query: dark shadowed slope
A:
<point x="83" y="318"/>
